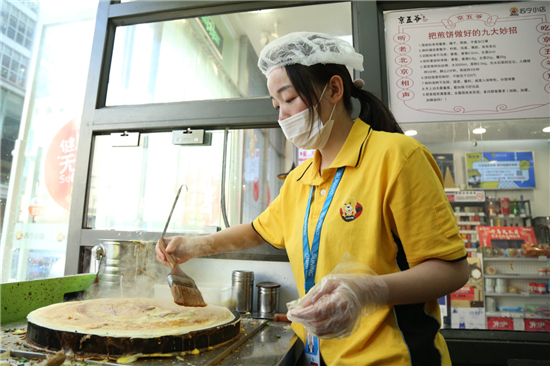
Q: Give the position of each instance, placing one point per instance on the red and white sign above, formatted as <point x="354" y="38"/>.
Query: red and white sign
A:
<point x="537" y="325"/>
<point x="464" y="293"/>
<point x="500" y="323"/>
<point x="35" y="207"/>
<point x="60" y="164"/>
<point x="477" y="62"/>
<point x="466" y="196"/>
<point x="488" y="233"/>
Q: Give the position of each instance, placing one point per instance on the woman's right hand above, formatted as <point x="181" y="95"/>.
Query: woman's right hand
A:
<point x="178" y="246"/>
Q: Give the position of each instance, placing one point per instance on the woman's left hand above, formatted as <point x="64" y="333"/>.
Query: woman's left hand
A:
<point x="333" y="308"/>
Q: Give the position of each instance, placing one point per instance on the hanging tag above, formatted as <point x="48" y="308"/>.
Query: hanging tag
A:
<point x="191" y="137"/>
<point x="313" y="355"/>
<point x="125" y="139"/>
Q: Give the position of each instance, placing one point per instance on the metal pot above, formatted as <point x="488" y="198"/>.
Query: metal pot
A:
<point x="126" y="267"/>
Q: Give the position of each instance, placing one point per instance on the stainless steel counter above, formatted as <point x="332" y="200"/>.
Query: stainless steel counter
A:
<point x="261" y="343"/>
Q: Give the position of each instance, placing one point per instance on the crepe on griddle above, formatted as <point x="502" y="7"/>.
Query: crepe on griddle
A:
<point x="133" y="317"/>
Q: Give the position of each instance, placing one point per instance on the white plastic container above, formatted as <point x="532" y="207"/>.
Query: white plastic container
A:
<point x="210" y="293"/>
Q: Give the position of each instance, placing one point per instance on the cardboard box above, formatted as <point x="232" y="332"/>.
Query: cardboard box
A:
<point x="467" y="318"/>
<point x="500" y="323"/>
<point x="471" y="294"/>
<point x="537" y="325"/>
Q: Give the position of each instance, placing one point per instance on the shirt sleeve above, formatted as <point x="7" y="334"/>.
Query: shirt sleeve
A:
<point x="423" y="218"/>
<point x="269" y="225"/>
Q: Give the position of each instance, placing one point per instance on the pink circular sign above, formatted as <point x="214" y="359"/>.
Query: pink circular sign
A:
<point x="59" y="165"/>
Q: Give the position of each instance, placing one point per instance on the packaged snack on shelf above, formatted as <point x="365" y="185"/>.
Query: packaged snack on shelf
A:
<point x="536" y="250"/>
<point x="512" y="252"/>
<point x="538" y="309"/>
<point x="510" y="308"/>
<point x="487" y="251"/>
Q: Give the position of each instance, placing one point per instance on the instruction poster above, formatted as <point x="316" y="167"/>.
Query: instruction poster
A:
<point x="481" y="62"/>
<point x="500" y="170"/>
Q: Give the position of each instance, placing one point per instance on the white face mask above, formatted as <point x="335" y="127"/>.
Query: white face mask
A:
<point x="296" y="128"/>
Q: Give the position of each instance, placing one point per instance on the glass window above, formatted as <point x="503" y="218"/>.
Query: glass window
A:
<point x="17" y="25"/>
<point x="14" y="66"/>
<point x="34" y="235"/>
<point x="11" y="106"/>
<point x="132" y="188"/>
<point x="210" y="57"/>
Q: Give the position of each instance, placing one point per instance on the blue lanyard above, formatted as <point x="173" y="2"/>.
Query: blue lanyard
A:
<point x="310" y="257"/>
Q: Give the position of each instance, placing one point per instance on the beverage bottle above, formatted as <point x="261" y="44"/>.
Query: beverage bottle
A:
<point x="491" y="206"/>
<point x="514" y="206"/>
<point x="522" y="206"/>
<point x="505" y="205"/>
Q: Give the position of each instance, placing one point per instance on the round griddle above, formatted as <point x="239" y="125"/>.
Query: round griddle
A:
<point x="88" y="344"/>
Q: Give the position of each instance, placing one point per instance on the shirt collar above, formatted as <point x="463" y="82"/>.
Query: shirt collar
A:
<point x="351" y="154"/>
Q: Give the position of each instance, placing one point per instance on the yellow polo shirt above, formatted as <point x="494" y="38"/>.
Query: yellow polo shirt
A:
<point x="390" y="212"/>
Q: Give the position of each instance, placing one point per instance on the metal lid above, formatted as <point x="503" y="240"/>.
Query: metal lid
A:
<point x="241" y="275"/>
<point x="268" y="285"/>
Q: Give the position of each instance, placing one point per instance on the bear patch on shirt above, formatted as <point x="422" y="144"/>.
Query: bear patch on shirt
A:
<point x="350" y="209"/>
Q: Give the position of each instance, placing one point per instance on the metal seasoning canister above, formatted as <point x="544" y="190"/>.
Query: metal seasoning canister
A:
<point x="268" y="297"/>
<point x="242" y="283"/>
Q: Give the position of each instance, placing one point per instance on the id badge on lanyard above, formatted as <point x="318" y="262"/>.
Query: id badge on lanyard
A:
<point x="312" y="352"/>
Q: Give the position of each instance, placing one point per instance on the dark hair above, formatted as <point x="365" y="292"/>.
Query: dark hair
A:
<point x="306" y="79"/>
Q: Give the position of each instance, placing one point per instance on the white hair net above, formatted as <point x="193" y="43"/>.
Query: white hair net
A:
<point x="308" y="48"/>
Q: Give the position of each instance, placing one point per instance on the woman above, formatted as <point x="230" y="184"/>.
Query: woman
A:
<point x="369" y="191"/>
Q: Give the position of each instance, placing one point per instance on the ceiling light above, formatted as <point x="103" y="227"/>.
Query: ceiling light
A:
<point x="411" y="132"/>
<point x="479" y="131"/>
<point x="546" y="129"/>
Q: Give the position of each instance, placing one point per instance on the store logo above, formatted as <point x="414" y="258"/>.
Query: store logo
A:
<point x="411" y="19"/>
<point x="514" y="12"/>
<point x="350" y="209"/>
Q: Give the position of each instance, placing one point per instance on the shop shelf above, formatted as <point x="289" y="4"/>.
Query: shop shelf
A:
<point x="469" y="213"/>
<point x="518" y="276"/>
<point x="517" y="314"/>
<point x="467" y="231"/>
<point x="522" y="216"/>
<point x="523" y="294"/>
<point x="541" y="258"/>
<point x="468" y="223"/>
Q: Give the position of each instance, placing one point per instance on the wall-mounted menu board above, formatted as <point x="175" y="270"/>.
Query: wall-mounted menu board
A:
<point x="469" y="62"/>
<point x="500" y="170"/>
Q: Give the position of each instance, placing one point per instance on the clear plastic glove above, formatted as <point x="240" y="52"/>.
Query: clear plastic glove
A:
<point x="181" y="248"/>
<point x="334" y="307"/>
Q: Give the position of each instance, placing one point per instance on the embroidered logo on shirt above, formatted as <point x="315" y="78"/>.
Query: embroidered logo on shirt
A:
<point x="350" y="209"/>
